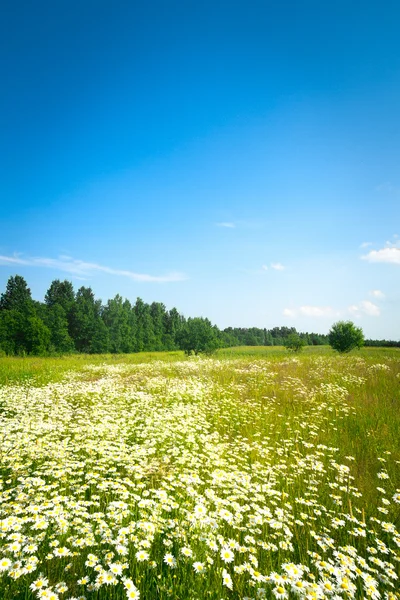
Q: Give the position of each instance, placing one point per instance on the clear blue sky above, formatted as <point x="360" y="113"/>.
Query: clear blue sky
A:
<point x="237" y="160"/>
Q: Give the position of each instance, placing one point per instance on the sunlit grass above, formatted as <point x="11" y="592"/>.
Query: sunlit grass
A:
<point x="255" y="473"/>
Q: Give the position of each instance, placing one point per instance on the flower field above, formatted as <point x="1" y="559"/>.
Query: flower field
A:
<point x="243" y="476"/>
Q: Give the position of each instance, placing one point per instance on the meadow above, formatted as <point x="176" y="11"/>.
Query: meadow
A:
<point x="251" y="474"/>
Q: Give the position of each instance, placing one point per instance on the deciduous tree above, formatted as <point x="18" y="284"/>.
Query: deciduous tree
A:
<point x="294" y="342"/>
<point x="345" y="336"/>
<point x="198" y="335"/>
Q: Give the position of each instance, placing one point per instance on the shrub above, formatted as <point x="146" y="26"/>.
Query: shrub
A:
<point x="344" y="336"/>
<point x="294" y="343"/>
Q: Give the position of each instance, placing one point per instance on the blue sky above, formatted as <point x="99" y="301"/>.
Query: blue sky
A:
<point x="237" y="160"/>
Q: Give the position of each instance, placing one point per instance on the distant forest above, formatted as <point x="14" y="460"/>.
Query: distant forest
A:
<point x="69" y="321"/>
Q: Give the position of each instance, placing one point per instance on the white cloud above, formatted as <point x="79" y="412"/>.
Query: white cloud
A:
<point x="226" y="224"/>
<point x="311" y="311"/>
<point x="353" y="309"/>
<point x="369" y="308"/>
<point x="365" y="308"/>
<point x="275" y="266"/>
<point x="316" y="311"/>
<point x="82" y="268"/>
<point x="365" y="244"/>
<point x="390" y="254"/>
<point x="376" y="294"/>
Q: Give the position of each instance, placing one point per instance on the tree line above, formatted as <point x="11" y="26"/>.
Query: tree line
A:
<point x="254" y="336"/>
<point x="68" y="321"/>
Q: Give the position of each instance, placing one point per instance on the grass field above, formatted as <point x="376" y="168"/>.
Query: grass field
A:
<point x="251" y="474"/>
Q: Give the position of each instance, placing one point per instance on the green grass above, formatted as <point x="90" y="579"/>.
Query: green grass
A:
<point x="39" y="371"/>
<point x="284" y="453"/>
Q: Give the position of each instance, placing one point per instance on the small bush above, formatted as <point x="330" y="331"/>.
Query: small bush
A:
<point x="345" y="336"/>
<point x="294" y="343"/>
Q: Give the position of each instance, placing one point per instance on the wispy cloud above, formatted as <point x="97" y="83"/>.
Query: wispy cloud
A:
<point x="277" y="266"/>
<point x="226" y="224"/>
<point x="366" y="244"/>
<point x="274" y="266"/>
<point x="82" y="268"/>
<point x="391" y="254"/>
<point x="242" y="224"/>
<point x="376" y="294"/>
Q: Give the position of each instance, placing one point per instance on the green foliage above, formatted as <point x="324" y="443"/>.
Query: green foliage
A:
<point x="67" y="322"/>
<point x="145" y="338"/>
<point x="12" y="337"/>
<point x="22" y="334"/>
<point x="17" y="295"/>
<point x="157" y="312"/>
<point x="18" y="320"/>
<point x="294" y="343"/>
<point x="383" y="343"/>
<point x="37" y="336"/>
<point x="198" y="336"/>
<point x="117" y="318"/>
<point x="56" y="320"/>
<point x="277" y="336"/>
<point x="60" y="293"/>
<point x="344" y="336"/>
<point x="86" y="323"/>
<point x="232" y="423"/>
<point x="173" y="322"/>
